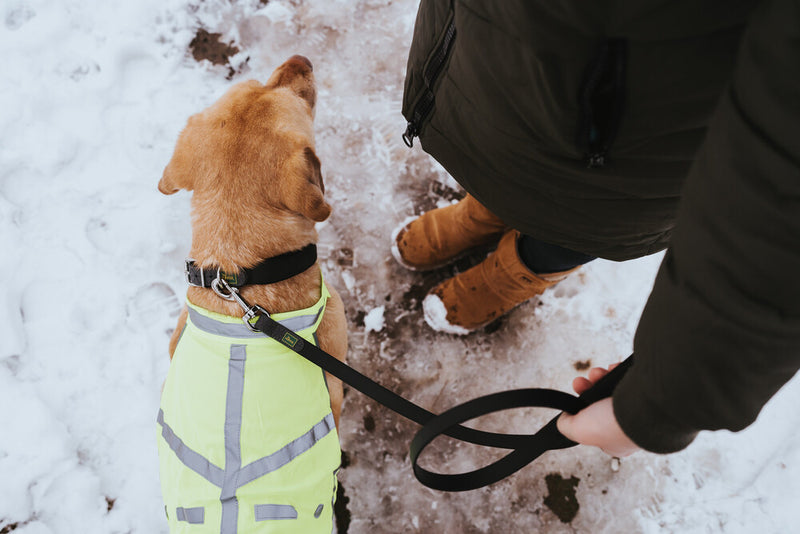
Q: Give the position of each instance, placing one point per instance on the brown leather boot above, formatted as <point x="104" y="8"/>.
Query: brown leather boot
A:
<point x="478" y="296"/>
<point x="441" y="236"/>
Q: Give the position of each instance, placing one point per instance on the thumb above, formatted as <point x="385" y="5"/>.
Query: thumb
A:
<point x="566" y="425"/>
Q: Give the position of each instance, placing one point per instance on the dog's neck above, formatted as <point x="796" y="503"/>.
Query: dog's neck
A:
<point x="244" y="241"/>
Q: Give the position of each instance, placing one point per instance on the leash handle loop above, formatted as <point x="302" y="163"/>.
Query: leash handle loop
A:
<point x="534" y="446"/>
<point x="547" y="438"/>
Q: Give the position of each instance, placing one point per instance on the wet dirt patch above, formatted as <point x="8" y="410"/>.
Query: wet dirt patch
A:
<point x="583" y="365"/>
<point x="358" y="318"/>
<point x="340" y="511"/>
<point x="446" y="192"/>
<point x="207" y="46"/>
<point x="369" y="423"/>
<point x="436" y="191"/>
<point x="343" y="257"/>
<point x="561" y="496"/>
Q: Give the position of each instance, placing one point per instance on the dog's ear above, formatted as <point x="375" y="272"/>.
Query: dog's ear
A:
<point x="306" y="193"/>
<point x="178" y="174"/>
<point x="171" y="179"/>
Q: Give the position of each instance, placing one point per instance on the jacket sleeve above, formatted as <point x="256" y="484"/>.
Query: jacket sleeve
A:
<point x="720" y="333"/>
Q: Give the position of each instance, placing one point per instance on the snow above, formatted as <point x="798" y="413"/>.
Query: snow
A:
<point x="95" y="94"/>
<point x="435" y="314"/>
<point x="374" y="320"/>
<point x="393" y="240"/>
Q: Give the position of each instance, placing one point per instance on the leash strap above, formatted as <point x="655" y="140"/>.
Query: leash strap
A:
<point x="525" y="448"/>
<point x="375" y="391"/>
<point x="269" y="271"/>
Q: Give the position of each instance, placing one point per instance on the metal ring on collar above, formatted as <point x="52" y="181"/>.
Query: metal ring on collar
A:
<point x="215" y="287"/>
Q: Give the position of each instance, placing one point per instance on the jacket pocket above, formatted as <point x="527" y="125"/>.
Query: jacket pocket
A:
<point x="601" y="101"/>
<point x="421" y="103"/>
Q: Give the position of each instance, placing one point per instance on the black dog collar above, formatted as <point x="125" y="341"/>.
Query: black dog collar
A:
<point x="269" y="271"/>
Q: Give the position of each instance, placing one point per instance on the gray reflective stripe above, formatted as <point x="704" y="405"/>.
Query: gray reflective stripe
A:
<point x="318" y="511"/>
<point x="288" y="453"/>
<point x="195" y="516"/>
<point x="191" y="459"/>
<point x="212" y="326"/>
<point x="301" y="322"/>
<point x="268" y="512"/>
<point x="233" y="447"/>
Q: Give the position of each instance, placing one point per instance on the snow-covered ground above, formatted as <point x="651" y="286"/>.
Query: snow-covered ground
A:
<point x="94" y="94"/>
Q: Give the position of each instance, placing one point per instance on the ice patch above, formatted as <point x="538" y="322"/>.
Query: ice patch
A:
<point x="436" y="316"/>
<point x="349" y="280"/>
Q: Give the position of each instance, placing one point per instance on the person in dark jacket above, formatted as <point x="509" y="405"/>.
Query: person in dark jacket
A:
<point x="616" y="130"/>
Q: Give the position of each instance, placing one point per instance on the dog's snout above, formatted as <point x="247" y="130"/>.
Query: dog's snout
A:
<point x="302" y="60"/>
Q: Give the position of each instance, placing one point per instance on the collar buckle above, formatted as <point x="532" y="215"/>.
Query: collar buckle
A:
<point x="192" y="273"/>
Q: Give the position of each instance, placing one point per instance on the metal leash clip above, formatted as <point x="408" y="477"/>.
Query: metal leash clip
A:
<point x="231" y="293"/>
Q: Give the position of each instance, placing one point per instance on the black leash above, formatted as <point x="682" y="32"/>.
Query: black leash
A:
<point x="525" y="447"/>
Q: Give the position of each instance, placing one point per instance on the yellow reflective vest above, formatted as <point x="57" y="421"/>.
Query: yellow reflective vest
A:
<point x="247" y="441"/>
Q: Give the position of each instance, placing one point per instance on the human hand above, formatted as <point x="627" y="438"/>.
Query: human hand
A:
<point x="596" y="424"/>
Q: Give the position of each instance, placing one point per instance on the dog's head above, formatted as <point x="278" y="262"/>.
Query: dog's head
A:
<point x="255" y="143"/>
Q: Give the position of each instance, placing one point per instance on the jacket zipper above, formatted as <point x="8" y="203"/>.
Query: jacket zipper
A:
<point x="425" y="104"/>
<point x="601" y="102"/>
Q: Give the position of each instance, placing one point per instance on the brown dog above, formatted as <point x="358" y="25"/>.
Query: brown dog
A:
<point x="257" y="191"/>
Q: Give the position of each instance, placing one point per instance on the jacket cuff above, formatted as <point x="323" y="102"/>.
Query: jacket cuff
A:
<point x="645" y="423"/>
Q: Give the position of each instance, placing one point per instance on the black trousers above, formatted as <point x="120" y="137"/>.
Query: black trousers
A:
<point x="544" y="258"/>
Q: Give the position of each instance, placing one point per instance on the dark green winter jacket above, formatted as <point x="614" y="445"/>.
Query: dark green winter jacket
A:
<point x="618" y="129"/>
